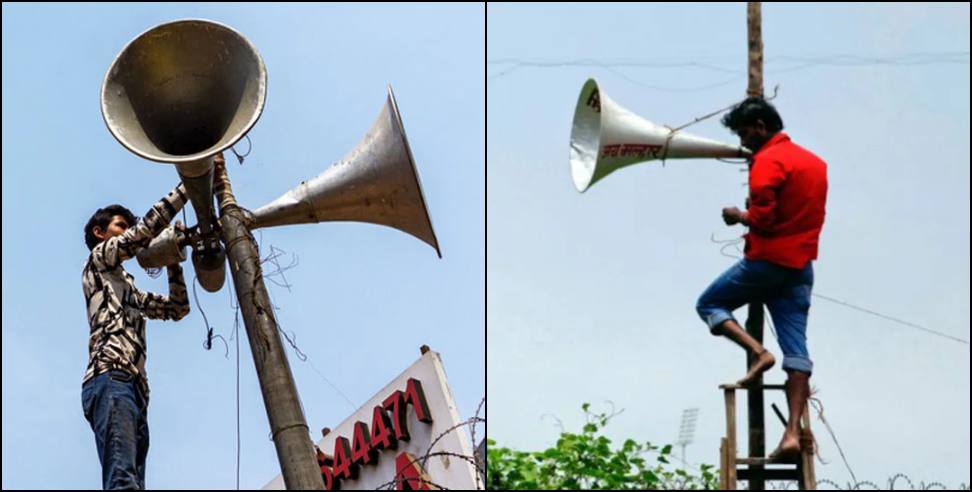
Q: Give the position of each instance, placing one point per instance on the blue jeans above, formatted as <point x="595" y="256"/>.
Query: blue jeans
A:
<point x="785" y="291"/>
<point x="117" y="412"/>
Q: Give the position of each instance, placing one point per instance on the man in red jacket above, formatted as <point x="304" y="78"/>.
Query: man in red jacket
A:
<point x="785" y="213"/>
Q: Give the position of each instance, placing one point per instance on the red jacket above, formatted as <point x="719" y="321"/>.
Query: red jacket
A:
<point x="787" y="197"/>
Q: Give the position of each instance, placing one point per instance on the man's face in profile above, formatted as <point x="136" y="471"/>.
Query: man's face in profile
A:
<point x="754" y="136"/>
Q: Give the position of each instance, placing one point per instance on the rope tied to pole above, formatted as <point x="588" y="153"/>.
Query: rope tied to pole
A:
<point x="673" y="131"/>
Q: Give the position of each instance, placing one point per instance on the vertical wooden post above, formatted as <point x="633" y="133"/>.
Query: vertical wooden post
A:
<point x="754" y="321"/>
<point x="730" y="441"/>
<point x="754" y="401"/>
<point x="723" y="465"/>
<point x="808" y="477"/>
<point x="754" y="23"/>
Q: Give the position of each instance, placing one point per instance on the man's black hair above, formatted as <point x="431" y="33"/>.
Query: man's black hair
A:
<point x="102" y="218"/>
<point x="751" y="109"/>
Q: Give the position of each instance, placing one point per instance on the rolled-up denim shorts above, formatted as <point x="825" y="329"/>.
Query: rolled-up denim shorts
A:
<point x="784" y="291"/>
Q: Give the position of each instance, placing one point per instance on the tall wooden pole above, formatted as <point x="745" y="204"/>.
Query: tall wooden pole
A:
<point x="754" y="23"/>
<point x="754" y="321"/>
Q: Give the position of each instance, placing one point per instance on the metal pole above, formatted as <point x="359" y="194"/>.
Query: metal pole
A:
<point x="754" y="321"/>
<point x="288" y="426"/>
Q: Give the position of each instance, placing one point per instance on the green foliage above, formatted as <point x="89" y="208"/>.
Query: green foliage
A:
<point x="587" y="461"/>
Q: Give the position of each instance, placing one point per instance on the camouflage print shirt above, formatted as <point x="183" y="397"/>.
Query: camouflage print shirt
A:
<point x="116" y="308"/>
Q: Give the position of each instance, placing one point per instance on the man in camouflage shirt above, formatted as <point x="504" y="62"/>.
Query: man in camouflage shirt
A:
<point x="115" y="388"/>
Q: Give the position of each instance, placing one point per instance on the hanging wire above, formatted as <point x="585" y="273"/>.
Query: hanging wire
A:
<point x="291" y="337"/>
<point x="891" y="318"/>
<point x="726" y="244"/>
<point x="208" y="343"/>
<point x="796" y="63"/>
<point x="249" y="148"/>
<point x="741" y="161"/>
<point x="278" y="271"/>
<point x="236" y="336"/>
<point x="730" y="243"/>
<point x="818" y="406"/>
<point x="329" y="383"/>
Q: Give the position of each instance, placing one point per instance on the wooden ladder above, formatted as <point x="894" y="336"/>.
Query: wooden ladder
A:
<point x="757" y="470"/>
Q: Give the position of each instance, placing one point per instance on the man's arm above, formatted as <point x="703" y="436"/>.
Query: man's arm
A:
<point x="110" y="253"/>
<point x="175" y="306"/>
<point x="765" y="181"/>
<point x="764" y="184"/>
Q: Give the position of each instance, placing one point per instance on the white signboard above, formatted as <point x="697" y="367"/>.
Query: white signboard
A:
<point x="392" y="440"/>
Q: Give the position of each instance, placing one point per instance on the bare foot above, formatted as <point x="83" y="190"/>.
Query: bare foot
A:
<point x="764" y="361"/>
<point x="788" y="450"/>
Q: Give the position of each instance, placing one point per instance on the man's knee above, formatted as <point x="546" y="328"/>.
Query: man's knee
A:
<point x="797" y="366"/>
<point x="701" y="310"/>
<point x="714" y="318"/>
<point x="705" y="312"/>
<point x="704" y="308"/>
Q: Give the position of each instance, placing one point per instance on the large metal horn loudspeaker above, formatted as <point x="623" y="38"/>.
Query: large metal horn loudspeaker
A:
<point x="375" y="183"/>
<point x="180" y="93"/>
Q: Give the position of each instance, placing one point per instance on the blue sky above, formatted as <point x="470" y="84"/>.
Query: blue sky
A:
<point x="591" y="296"/>
<point x="363" y="297"/>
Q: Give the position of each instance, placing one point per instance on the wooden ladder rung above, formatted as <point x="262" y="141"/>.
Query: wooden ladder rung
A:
<point x="765" y="461"/>
<point x="733" y="386"/>
<point x="770" y="474"/>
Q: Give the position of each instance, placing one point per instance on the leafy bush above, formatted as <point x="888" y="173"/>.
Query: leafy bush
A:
<point x="587" y="461"/>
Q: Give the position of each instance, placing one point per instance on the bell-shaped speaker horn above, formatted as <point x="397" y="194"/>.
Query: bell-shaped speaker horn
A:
<point x="375" y="183"/>
<point x="180" y="93"/>
<point x="606" y="137"/>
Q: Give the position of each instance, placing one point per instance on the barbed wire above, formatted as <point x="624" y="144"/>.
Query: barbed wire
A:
<point x="892" y="484"/>
<point x="476" y="461"/>
<point x="472" y="442"/>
